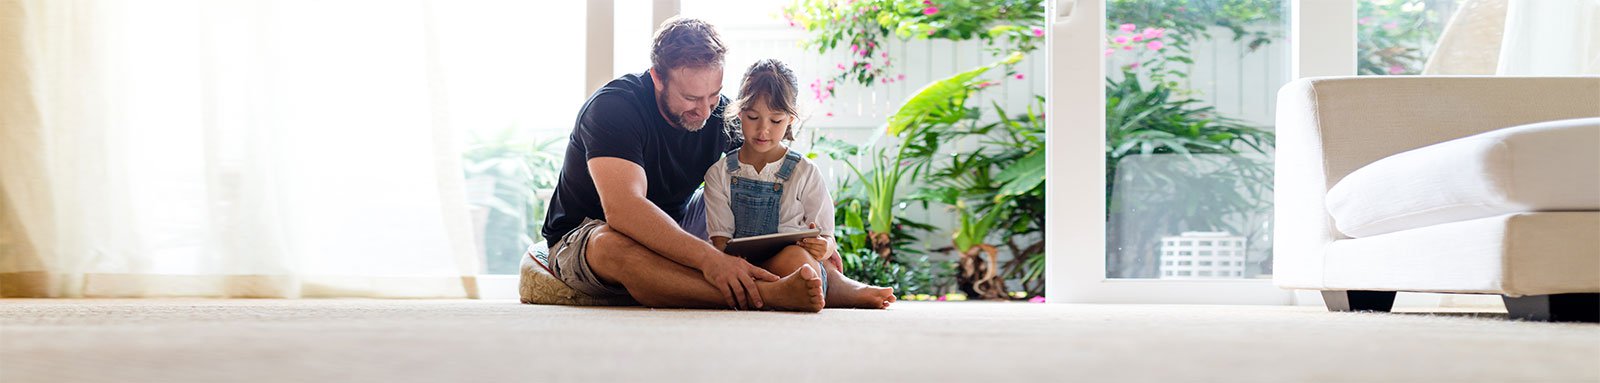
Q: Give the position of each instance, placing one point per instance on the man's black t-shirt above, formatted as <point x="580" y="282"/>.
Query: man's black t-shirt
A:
<point x="621" y="120"/>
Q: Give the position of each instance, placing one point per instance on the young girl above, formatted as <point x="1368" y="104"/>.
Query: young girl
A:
<point x="764" y="188"/>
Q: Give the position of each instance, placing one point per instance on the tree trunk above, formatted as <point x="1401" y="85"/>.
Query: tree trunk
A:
<point x="977" y="275"/>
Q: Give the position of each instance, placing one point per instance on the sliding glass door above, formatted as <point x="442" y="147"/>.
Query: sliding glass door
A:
<point x="1163" y="157"/>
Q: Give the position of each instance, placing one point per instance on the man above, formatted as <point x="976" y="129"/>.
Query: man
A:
<point x="640" y="148"/>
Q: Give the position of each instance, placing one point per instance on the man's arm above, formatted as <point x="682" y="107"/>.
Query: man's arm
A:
<point x="622" y="186"/>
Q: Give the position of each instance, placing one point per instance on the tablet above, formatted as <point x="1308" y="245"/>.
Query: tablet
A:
<point x="764" y="246"/>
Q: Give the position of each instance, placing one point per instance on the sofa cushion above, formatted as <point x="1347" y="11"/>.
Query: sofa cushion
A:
<point x="1548" y="166"/>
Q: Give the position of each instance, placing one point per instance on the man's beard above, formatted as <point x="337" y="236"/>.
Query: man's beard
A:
<point x="676" y="119"/>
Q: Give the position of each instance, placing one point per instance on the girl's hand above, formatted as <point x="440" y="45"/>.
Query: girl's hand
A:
<point x="820" y="247"/>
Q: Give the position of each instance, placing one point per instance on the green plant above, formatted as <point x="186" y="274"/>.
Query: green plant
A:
<point x="1190" y="20"/>
<point x="909" y="273"/>
<point x="997" y="191"/>
<point x="1142" y="122"/>
<point x="921" y="123"/>
<point x="1178" y="164"/>
<point x="863" y="25"/>
<point x="518" y="169"/>
<point x="935" y="114"/>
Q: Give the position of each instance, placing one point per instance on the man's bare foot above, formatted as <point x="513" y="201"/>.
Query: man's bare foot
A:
<point x="799" y="291"/>
<point x="846" y="292"/>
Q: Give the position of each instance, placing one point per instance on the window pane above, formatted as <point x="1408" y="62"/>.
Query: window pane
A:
<point x="513" y="114"/>
<point x="1396" y="37"/>
<point x="1190" y="96"/>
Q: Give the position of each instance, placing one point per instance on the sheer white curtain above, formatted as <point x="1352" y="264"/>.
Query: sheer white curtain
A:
<point x="1520" y="38"/>
<point x="1551" y="38"/>
<point x="230" y="148"/>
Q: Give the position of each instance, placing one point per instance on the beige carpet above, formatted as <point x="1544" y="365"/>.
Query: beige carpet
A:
<point x="465" y="341"/>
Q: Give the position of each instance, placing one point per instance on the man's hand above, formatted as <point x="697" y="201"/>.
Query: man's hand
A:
<point x="737" y="280"/>
<point x="820" y="247"/>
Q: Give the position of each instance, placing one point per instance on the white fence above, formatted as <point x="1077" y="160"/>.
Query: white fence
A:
<point x="1239" y="83"/>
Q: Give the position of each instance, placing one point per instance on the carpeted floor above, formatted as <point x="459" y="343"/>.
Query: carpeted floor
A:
<point x="464" y="341"/>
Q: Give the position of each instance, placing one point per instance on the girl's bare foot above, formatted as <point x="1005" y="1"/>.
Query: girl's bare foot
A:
<point x="847" y="293"/>
<point x="799" y="291"/>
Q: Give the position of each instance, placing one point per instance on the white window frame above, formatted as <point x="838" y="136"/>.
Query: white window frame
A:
<point x="1323" y="36"/>
<point x="600" y="43"/>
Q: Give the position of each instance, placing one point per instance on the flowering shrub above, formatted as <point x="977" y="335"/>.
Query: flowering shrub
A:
<point x="862" y="26"/>
<point x="1392" y="36"/>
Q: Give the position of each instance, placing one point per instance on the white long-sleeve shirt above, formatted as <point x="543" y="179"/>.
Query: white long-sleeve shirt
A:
<point x="805" y="197"/>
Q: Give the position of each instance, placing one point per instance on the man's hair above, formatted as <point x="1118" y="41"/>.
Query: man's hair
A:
<point x="685" y="42"/>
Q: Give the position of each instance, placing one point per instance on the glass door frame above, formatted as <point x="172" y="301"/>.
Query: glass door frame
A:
<point x="1323" y="43"/>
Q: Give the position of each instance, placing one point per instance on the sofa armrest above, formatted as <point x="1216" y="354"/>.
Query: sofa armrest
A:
<point x="1329" y="127"/>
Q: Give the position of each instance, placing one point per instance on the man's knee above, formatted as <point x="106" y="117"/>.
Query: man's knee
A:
<point x="608" y="249"/>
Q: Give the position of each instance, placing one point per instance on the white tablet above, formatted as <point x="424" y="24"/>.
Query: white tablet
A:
<point x="763" y="246"/>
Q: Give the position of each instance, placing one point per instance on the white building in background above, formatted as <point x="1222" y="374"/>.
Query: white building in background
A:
<point x="1197" y="254"/>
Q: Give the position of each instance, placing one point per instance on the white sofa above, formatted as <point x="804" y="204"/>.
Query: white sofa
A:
<point x="1440" y="184"/>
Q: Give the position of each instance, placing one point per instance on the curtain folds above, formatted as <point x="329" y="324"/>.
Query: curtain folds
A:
<point x="227" y="148"/>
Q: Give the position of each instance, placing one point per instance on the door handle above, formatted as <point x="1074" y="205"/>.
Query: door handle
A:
<point x="1064" y="10"/>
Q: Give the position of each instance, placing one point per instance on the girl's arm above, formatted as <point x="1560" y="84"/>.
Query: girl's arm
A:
<point x="818" y="207"/>
<point x="720" y="242"/>
<point x="719" y="214"/>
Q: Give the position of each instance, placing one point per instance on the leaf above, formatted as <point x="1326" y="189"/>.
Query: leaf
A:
<point x="1023" y="175"/>
<point x="835" y="149"/>
<point x="933" y="98"/>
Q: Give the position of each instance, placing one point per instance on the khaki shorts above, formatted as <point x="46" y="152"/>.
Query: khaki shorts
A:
<point x="569" y="261"/>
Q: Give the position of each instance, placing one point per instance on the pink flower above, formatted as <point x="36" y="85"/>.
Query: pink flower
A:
<point x="1152" y="33"/>
<point x="1127" y="27"/>
<point x="930" y="10"/>
<point x="1109" y="50"/>
<point x="1134" y="66"/>
<point x="841" y="66"/>
<point x="1138" y="38"/>
<point x="1364" y="21"/>
<point x="1038" y="299"/>
<point x="830" y="114"/>
<point x="1038" y="32"/>
<point x="854" y="48"/>
<point x="901" y="77"/>
<point x="930" y="32"/>
<point x="1019" y="76"/>
<point x="928" y="2"/>
<point x="867" y="66"/>
<point x="1121" y="39"/>
<point x="884" y="55"/>
<point x="985" y="84"/>
<point x="1155" y="45"/>
<point x="1391" y="26"/>
<point x="1127" y="47"/>
<point x="1397" y="69"/>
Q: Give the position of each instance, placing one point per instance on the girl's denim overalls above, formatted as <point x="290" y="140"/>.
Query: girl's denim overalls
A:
<point x="755" y="203"/>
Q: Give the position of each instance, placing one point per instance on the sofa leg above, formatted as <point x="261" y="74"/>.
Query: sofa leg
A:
<point x="1580" y="307"/>
<point x="1358" y="300"/>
